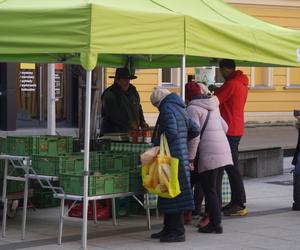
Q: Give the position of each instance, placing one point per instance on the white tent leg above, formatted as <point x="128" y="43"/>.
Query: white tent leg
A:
<point x="183" y="78"/>
<point x="51" y="129"/>
<point x="102" y="80"/>
<point x="86" y="156"/>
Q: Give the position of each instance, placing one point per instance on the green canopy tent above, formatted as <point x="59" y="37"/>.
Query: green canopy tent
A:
<point x="154" y="33"/>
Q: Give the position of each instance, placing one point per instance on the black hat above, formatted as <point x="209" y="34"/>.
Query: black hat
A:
<point x="123" y="73"/>
<point x="227" y="63"/>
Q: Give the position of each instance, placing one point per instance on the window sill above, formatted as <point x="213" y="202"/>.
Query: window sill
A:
<point x="292" y="86"/>
<point x="261" y="88"/>
<point x="169" y="86"/>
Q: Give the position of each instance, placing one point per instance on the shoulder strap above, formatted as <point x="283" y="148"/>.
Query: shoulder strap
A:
<point x="205" y="124"/>
<point x="155" y="131"/>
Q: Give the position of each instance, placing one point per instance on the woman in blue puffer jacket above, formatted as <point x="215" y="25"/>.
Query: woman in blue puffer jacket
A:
<point x="174" y="122"/>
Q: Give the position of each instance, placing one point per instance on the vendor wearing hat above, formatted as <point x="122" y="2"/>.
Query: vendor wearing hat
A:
<point x="121" y="105"/>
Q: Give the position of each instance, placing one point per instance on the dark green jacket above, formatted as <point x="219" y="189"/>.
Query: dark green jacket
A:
<point x="121" y="111"/>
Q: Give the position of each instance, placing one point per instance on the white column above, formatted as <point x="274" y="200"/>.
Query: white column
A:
<point x="86" y="156"/>
<point x="183" y="78"/>
<point x="51" y="129"/>
<point x="288" y="77"/>
<point x="270" y="77"/>
<point x="252" y="77"/>
<point x="102" y="79"/>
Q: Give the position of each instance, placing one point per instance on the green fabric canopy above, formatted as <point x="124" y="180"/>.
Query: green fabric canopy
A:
<point x="155" y="33"/>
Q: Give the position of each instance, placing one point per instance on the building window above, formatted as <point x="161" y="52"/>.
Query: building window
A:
<point x="209" y="75"/>
<point x="261" y="77"/>
<point x="169" y="77"/>
<point x="219" y="79"/>
<point x="166" y="75"/>
<point x="292" y="78"/>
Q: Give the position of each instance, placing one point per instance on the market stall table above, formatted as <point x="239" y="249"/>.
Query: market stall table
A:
<point x="24" y="163"/>
<point x="77" y="198"/>
<point x="18" y="162"/>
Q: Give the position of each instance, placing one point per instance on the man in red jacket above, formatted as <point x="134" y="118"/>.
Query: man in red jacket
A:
<point x="232" y="96"/>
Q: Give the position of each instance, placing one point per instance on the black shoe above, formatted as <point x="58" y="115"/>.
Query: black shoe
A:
<point x="195" y="213"/>
<point x="227" y="207"/>
<point x="169" y="238"/>
<point x="296" y="206"/>
<point x="159" y="234"/>
<point x="236" y="210"/>
<point x="210" y="228"/>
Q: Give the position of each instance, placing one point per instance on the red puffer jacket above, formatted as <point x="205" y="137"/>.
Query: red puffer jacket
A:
<point x="232" y="96"/>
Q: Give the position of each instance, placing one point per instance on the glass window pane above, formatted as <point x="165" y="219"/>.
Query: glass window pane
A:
<point x="166" y="75"/>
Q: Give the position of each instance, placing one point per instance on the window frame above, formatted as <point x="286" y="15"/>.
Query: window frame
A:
<point x="175" y="78"/>
<point x="288" y="84"/>
<point x="269" y="79"/>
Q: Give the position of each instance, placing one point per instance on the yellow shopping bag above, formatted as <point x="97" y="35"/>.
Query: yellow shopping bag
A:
<point x="161" y="175"/>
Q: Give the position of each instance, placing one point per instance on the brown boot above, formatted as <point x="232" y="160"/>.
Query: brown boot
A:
<point x="188" y="218"/>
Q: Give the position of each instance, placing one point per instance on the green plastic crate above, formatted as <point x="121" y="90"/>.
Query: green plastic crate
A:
<point x="10" y="171"/>
<point x="3" y="145"/>
<point x="1" y="169"/>
<point x="106" y="162"/>
<point x="129" y="147"/>
<point x="47" y="165"/>
<point x="102" y="184"/>
<point x="42" y="199"/>
<point x="121" y="183"/>
<point x="127" y="160"/>
<point x="136" y="183"/>
<point x="113" y="162"/>
<point x="97" y="184"/>
<point x="12" y="187"/>
<point x="122" y="207"/>
<point x="39" y="145"/>
<point x="73" y="164"/>
<point x="134" y="160"/>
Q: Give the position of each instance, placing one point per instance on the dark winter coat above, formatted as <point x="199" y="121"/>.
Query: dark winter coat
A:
<point x="121" y="111"/>
<point x="297" y="150"/>
<point x="174" y="122"/>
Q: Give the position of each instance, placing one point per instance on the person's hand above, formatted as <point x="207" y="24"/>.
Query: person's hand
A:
<point x="145" y="125"/>
<point x="192" y="166"/>
<point x="134" y="126"/>
<point x="213" y="88"/>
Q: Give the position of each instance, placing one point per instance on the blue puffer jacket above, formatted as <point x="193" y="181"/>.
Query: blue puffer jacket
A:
<point x="174" y="122"/>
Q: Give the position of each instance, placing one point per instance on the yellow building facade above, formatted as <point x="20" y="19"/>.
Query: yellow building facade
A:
<point x="273" y="92"/>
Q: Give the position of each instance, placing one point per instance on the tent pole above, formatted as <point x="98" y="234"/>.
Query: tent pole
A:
<point x="51" y="129"/>
<point x="183" y="78"/>
<point x="102" y="80"/>
<point x="86" y="156"/>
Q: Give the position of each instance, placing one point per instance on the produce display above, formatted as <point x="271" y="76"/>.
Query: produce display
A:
<point x="113" y="167"/>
